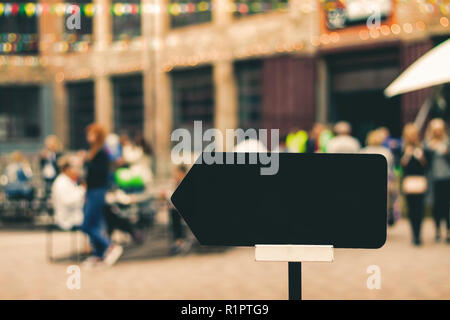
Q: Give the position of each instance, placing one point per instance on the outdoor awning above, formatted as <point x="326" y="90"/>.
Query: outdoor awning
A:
<point x="432" y="69"/>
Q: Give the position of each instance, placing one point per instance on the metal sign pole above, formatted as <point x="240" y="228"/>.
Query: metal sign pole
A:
<point x="295" y="280"/>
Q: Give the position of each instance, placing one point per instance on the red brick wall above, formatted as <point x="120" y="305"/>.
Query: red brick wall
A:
<point x="288" y="93"/>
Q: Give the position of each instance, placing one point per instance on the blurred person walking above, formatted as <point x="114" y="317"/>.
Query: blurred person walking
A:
<point x="97" y="166"/>
<point x="343" y="142"/>
<point x="313" y="142"/>
<point x="414" y="185"/>
<point x="281" y="145"/>
<point x="296" y="140"/>
<point x="437" y="146"/>
<point x="392" y="143"/>
<point x="48" y="161"/>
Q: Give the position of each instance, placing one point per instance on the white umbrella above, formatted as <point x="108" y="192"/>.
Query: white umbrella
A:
<point x="432" y="69"/>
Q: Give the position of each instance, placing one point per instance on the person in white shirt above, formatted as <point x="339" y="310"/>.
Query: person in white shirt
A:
<point x="250" y="145"/>
<point x="67" y="196"/>
<point x="343" y="142"/>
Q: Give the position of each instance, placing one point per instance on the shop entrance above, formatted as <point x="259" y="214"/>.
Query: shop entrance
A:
<point x="357" y="80"/>
<point x="367" y="110"/>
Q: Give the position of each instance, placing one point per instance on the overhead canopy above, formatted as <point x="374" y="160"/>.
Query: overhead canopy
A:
<point x="432" y="69"/>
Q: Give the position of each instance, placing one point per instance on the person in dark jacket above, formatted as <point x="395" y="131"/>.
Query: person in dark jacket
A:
<point x="413" y="162"/>
<point x="438" y="148"/>
<point x="97" y="166"/>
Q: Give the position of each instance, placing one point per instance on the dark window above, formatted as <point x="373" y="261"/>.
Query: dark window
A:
<point x="245" y="7"/>
<point x="126" y="19"/>
<point x="81" y="112"/>
<point x="193" y="97"/>
<point x="79" y="37"/>
<point x="189" y="12"/>
<point x="128" y="104"/>
<point x="249" y="82"/>
<point x="437" y="40"/>
<point x="18" y="30"/>
<point x="19" y="112"/>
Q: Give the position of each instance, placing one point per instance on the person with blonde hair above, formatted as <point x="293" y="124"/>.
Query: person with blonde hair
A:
<point x="18" y="167"/>
<point x="374" y="144"/>
<point x="414" y="185"/>
<point x="438" y="149"/>
<point x="97" y="169"/>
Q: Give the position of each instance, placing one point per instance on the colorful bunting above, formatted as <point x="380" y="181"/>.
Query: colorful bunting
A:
<point x="32" y="9"/>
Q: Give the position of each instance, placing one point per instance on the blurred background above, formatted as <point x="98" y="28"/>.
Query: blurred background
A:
<point x="144" y="68"/>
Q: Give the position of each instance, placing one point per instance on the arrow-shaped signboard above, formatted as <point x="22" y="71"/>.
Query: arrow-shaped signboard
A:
<point x="313" y="199"/>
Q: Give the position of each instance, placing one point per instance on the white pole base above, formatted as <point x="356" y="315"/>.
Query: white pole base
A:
<point x="294" y="253"/>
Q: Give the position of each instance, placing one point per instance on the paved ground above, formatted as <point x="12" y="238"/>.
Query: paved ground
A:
<point x="407" y="273"/>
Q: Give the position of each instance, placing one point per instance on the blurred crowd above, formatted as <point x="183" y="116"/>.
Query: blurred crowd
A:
<point x="418" y="168"/>
<point x="104" y="188"/>
<point x="108" y="183"/>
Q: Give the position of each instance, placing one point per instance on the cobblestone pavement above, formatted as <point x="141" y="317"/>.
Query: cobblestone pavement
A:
<point x="407" y="273"/>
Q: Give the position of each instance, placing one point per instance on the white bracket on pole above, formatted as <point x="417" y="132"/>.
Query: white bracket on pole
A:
<point x="294" y="255"/>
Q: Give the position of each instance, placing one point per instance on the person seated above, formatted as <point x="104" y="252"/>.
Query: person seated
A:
<point x="18" y="173"/>
<point x="68" y="196"/>
<point x="48" y="161"/>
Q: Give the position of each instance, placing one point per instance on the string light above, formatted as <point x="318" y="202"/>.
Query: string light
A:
<point x="123" y="8"/>
<point x="385" y="30"/>
<point x="364" y="35"/>
<point x="334" y="36"/>
<point x="12" y="43"/>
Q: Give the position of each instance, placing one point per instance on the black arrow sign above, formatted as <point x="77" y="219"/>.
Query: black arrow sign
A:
<point x="314" y="199"/>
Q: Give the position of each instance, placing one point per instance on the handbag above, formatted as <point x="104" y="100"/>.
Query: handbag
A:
<point x="414" y="185"/>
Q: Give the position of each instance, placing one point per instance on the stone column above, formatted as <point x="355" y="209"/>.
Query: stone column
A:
<point x="161" y="92"/>
<point x="226" y="104"/>
<point x="226" y="100"/>
<point x="102" y="25"/>
<point x="104" y="107"/>
<point x="104" y="113"/>
<point x="148" y="61"/>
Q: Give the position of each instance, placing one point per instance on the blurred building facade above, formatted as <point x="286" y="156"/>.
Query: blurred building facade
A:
<point x="151" y="66"/>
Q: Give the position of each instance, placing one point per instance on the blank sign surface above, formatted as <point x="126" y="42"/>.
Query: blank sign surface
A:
<point x="314" y="199"/>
